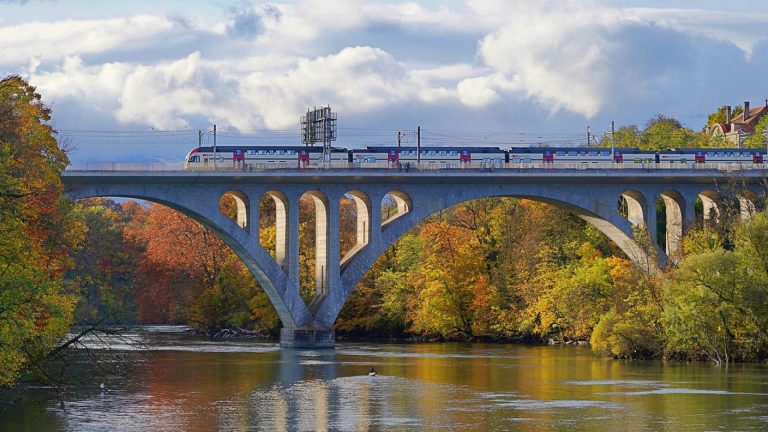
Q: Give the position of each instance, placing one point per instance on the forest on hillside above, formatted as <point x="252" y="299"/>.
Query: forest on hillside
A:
<point x="492" y="269"/>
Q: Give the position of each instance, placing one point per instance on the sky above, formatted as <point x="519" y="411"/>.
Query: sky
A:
<point x="136" y="80"/>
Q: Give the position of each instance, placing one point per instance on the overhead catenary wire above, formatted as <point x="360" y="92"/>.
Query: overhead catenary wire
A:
<point x="352" y="137"/>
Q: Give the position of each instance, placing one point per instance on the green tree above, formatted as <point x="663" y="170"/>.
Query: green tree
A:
<point x="759" y="138"/>
<point x="720" y="116"/>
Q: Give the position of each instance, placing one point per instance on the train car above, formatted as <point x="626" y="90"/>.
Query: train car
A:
<point x="260" y="156"/>
<point x="713" y="155"/>
<point x="439" y="156"/>
<point x="571" y="155"/>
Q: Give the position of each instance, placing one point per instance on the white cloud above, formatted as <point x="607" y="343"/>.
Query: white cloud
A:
<point x="742" y="29"/>
<point x="57" y="40"/>
<point x="165" y="95"/>
<point x="261" y="65"/>
<point x="582" y="56"/>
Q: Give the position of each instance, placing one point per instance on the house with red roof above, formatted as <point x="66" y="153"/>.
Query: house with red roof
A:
<point x="735" y="128"/>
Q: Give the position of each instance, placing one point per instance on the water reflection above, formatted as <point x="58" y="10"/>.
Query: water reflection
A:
<point x="424" y="387"/>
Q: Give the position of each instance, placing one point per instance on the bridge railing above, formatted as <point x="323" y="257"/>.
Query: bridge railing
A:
<point x="404" y="167"/>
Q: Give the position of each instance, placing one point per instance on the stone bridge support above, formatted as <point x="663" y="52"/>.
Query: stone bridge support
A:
<point x="311" y="325"/>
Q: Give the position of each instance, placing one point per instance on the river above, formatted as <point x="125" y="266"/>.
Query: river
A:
<point x="191" y="384"/>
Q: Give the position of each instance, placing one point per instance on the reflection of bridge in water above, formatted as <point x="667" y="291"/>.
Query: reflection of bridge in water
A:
<point x="592" y="192"/>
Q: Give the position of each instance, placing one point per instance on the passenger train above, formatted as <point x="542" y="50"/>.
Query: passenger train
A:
<point x="455" y="157"/>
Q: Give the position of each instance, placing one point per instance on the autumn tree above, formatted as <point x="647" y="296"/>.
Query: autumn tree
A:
<point x="37" y="231"/>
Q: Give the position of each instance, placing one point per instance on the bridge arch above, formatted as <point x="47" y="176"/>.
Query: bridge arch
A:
<point x="674" y="205"/>
<point x="323" y="239"/>
<point x="635" y="206"/>
<point x="403" y="203"/>
<point x="242" y="204"/>
<point x="363" y="211"/>
<point x="710" y="209"/>
<point x="613" y="225"/>
<point x="289" y="306"/>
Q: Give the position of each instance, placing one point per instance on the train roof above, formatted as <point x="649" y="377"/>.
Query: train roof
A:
<point x="230" y="149"/>
<point x="387" y="149"/>
<point x="622" y="150"/>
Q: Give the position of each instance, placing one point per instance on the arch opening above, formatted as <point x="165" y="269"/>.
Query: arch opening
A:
<point x="503" y="242"/>
<point x="670" y="211"/>
<point x="355" y="220"/>
<point x="273" y="232"/>
<point x="394" y="205"/>
<point x="631" y="205"/>
<point x="314" y="234"/>
<point x="234" y="205"/>
<point x="221" y="272"/>
<point x="747" y="204"/>
<point x="707" y="207"/>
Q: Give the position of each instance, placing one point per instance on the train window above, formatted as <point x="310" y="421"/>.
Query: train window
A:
<point x="605" y="153"/>
<point x="194" y="159"/>
<point x="728" y="154"/>
<point x="371" y="160"/>
<point x="443" y="153"/>
<point x="454" y="153"/>
<point x="271" y="152"/>
<point x="572" y="153"/>
<point x="262" y="152"/>
<point x="251" y="152"/>
<point x="593" y="153"/>
<point x="720" y="154"/>
<point x="279" y="152"/>
<point x="745" y="154"/>
<point x="710" y="154"/>
<point x="582" y="153"/>
<point x="291" y="152"/>
<point x="560" y="153"/>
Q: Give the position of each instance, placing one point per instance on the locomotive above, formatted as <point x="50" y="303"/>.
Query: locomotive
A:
<point x="455" y="157"/>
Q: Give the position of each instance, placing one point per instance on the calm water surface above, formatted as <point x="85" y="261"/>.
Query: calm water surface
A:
<point x="195" y="385"/>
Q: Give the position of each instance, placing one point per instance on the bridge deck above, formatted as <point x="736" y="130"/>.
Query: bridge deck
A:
<point x="704" y="174"/>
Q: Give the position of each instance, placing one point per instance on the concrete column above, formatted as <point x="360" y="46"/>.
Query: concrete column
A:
<point x="254" y="216"/>
<point x="333" y="274"/>
<point x="375" y="221"/>
<point x="292" y="242"/>
<point x="651" y="220"/>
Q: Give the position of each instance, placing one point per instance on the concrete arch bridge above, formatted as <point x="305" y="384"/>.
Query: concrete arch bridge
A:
<point x="594" y="195"/>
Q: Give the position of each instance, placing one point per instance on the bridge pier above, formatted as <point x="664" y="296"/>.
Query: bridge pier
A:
<point x="307" y="338"/>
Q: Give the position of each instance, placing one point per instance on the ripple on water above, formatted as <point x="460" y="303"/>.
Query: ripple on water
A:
<point x="533" y="404"/>
<point x="376" y="352"/>
<point x="623" y="383"/>
<point x="678" y="390"/>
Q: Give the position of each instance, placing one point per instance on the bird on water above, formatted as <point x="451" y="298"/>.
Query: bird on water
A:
<point x="372" y="372"/>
